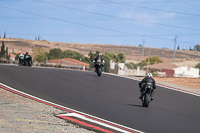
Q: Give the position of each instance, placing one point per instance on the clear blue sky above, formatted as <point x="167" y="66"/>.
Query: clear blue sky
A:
<point x="117" y="22"/>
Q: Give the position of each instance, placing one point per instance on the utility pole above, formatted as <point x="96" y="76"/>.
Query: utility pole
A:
<point x="174" y="47"/>
<point x="148" y="62"/>
<point x="143" y="50"/>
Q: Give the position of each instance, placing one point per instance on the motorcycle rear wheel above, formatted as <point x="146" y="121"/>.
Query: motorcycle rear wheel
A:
<point x="146" y="100"/>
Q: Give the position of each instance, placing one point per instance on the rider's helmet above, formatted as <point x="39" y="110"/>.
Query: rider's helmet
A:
<point x="149" y="75"/>
<point x="26" y="53"/>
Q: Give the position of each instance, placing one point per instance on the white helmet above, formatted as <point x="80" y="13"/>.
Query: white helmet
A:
<point x="149" y="75"/>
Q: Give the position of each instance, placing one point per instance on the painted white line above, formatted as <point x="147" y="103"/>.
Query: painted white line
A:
<point x="97" y="122"/>
<point x="134" y="130"/>
<point x="180" y="90"/>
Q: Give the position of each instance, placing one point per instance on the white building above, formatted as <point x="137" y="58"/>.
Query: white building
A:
<point x="135" y="72"/>
<point x="186" y="72"/>
<point x="121" y="68"/>
<point x="112" y="64"/>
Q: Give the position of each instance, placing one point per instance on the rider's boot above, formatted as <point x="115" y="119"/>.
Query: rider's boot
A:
<point x="151" y="98"/>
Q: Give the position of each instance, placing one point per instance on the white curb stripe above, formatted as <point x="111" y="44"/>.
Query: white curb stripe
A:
<point x="134" y="130"/>
<point x="96" y="122"/>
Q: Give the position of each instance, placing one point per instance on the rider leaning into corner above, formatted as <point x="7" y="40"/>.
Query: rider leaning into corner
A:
<point x="97" y="58"/>
<point x="147" y="80"/>
<point x="21" y="56"/>
<point x="26" y="54"/>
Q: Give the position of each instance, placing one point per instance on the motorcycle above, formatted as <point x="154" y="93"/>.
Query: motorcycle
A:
<point x="26" y="61"/>
<point x="147" y="94"/>
<point x="21" y="61"/>
<point x="99" y="67"/>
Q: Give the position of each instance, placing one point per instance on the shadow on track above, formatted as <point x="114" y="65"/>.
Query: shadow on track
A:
<point x="135" y="105"/>
<point x="94" y="75"/>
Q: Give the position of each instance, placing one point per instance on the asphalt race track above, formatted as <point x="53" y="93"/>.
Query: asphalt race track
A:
<point x="108" y="97"/>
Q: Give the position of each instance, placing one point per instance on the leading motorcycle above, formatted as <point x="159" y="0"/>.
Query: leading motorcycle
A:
<point x="26" y="61"/>
<point x="99" y="67"/>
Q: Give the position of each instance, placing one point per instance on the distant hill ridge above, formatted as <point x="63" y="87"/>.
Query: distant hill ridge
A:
<point x="131" y="52"/>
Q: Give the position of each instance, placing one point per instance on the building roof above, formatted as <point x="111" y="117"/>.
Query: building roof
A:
<point x="161" y="66"/>
<point x="69" y="61"/>
<point x="24" y="53"/>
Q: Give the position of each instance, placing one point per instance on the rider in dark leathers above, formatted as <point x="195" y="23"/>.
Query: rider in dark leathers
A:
<point x="27" y="55"/>
<point x="147" y="80"/>
<point x="98" y="57"/>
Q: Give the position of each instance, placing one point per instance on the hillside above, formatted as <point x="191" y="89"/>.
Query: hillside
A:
<point x="133" y="53"/>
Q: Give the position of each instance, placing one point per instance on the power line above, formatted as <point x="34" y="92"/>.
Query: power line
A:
<point x="117" y="17"/>
<point x="182" y="13"/>
<point x="97" y="2"/>
<point x="96" y="27"/>
<point x="175" y="41"/>
<point x="91" y="19"/>
<point x="156" y="1"/>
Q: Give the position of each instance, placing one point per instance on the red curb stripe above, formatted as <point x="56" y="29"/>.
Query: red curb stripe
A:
<point x="85" y="124"/>
<point x="64" y="109"/>
<point x="112" y="125"/>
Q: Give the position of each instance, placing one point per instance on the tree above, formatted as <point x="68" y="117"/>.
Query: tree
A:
<point x="112" y="56"/>
<point x="8" y="58"/>
<point x="91" y="55"/>
<point x="140" y="45"/>
<point x="40" y="54"/>
<point x="2" y="50"/>
<point x="97" y="52"/>
<point x="153" y="60"/>
<point x="131" y="65"/>
<point x="178" y="48"/>
<point x="142" y="63"/>
<point x="191" y="49"/>
<point x="7" y="55"/>
<point x="55" y="53"/>
<point x="74" y="55"/>
<point x="121" y="57"/>
<point x="4" y="36"/>
<point x="197" y="47"/>
<point x="107" y="63"/>
<point x="198" y="66"/>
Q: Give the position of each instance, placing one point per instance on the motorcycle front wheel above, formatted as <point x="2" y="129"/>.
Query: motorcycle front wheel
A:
<point x="99" y="71"/>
